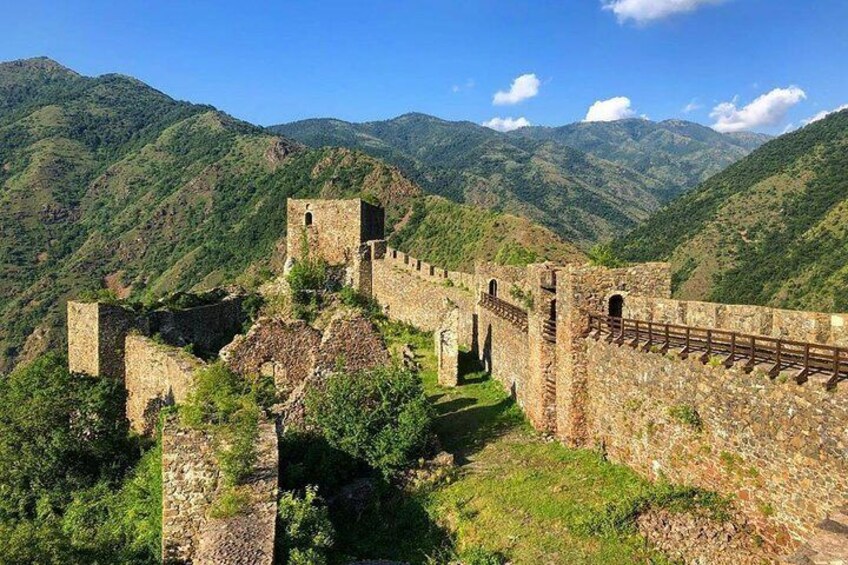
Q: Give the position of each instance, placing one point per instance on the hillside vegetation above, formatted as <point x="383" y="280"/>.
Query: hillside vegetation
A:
<point x="677" y="153"/>
<point x="770" y="229"/>
<point x="106" y="182"/>
<point x="587" y="182"/>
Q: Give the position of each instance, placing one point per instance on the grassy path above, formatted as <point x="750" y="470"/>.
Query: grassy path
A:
<point x="517" y="494"/>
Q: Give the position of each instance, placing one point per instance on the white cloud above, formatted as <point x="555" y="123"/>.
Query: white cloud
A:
<point x="823" y="114"/>
<point x="692" y="106"/>
<point x="617" y="108"/>
<point x="507" y="124"/>
<point x="522" y="88"/>
<point x="768" y="109"/>
<point x="644" y="11"/>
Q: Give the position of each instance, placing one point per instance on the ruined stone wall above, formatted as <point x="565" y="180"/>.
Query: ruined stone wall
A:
<point x="337" y="228"/>
<point x="157" y="375"/>
<point x="96" y="334"/>
<point x="248" y="537"/>
<point x="796" y="325"/>
<point x="778" y="448"/>
<point x="190" y="484"/>
<point x="504" y="353"/>
<point x="207" y="328"/>
<point x="284" y="350"/>
<point x="190" y="477"/>
<point x="351" y="340"/>
<point x="419" y="294"/>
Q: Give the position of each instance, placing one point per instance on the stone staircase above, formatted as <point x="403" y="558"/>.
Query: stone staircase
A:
<point x="828" y="546"/>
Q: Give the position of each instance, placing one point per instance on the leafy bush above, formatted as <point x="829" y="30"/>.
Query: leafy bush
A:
<point x="58" y="433"/>
<point x="307" y="280"/>
<point x="349" y="296"/>
<point x="380" y="416"/>
<point x="230" y="407"/>
<point x="65" y="452"/>
<point x="603" y="255"/>
<point x="307" y="533"/>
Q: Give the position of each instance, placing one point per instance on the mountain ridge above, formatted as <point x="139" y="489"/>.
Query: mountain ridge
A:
<point x="766" y="230"/>
<point x="584" y="196"/>
<point x="107" y="183"/>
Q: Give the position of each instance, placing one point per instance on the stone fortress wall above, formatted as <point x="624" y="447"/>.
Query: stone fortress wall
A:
<point x="815" y="327"/>
<point x="780" y="449"/>
<point x="776" y="447"/>
<point x="191" y="481"/>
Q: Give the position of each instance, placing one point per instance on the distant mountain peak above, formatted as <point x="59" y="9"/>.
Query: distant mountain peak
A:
<point x="40" y="64"/>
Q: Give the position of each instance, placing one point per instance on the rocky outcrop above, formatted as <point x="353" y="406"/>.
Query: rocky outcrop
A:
<point x="696" y="539"/>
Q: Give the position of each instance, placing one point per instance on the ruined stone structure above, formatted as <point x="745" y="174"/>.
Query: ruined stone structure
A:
<point x="190" y="483"/>
<point x="157" y="375"/>
<point x="776" y="447"/>
<point x="553" y="335"/>
<point x="113" y="341"/>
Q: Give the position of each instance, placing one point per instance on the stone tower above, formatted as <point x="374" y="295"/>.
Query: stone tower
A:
<point x="333" y="230"/>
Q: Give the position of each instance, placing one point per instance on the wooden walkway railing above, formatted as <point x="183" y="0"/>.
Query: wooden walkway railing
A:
<point x="726" y="346"/>
<point x="505" y="310"/>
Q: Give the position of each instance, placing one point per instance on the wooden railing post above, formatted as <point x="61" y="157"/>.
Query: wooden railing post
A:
<point x="775" y="370"/>
<point x="728" y="363"/>
<point x="684" y="353"/>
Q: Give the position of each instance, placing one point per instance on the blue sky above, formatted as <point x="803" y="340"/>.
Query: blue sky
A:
<point x="276" y="62"/>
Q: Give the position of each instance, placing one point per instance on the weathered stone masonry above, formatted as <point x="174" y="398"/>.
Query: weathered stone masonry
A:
<point x="779" y="448"/>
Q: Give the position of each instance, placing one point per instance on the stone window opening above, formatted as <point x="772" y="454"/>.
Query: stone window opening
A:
<point x="307" y="219"/>
<point x="493" y="288"/>
<point x="616" y="306"/>
<point x="552" y="310"/>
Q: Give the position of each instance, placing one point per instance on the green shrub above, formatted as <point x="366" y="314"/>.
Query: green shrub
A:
<point x="686" y="414"/>
<point x="349" y="296"/>
<point x="603" y="255"/>
<point x="307" y="533"/>
<point x="380" y="416"/>
<point x="229" y="407"/>
<point x="59" y="433"/>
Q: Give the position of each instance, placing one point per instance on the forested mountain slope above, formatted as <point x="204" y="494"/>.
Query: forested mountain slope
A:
<point x="770" y="229"/>
<point x="581" y="197"/>
<point x="587" y="181"/>
<point x="677" y="153"/>
<point x="106" y="182"/>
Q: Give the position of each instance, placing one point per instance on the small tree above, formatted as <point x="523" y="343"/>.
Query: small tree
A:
<point x="603" y="255"/>
<point x="381" y="416"/>
<point x="307" y="531"/>
<point x="307" y="280"/>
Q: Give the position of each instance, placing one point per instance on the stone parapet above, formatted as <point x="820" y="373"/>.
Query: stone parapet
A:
<point x="157" y="375"/>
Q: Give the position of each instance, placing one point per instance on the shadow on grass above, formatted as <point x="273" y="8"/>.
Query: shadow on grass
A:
<point x="466" y="431"/>
<point x="470" y="368"/>
<point x="386" y="523"/>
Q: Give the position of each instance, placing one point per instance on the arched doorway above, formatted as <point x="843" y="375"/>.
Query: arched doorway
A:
<point x="493" y="287"/>
<point x="307" y="219"/>
<point x="616" y="306"/>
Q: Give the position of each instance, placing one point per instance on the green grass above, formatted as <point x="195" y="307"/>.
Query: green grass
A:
<point x="516" y="494"/>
